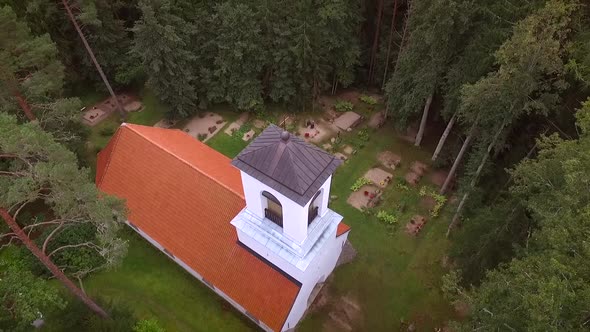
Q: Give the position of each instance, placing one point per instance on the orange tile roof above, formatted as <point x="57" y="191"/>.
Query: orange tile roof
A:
<point x="342" y="228"/>
<point x="183" y="194"/>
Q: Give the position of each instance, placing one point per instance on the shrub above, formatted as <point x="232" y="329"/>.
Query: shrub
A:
<point x="440" y="200"/>
<point x="291" y="128"/>
<point x="386" y="217"/>
<point x="148" y="325"/>
<point x="368" y="100"/>
<point x="242" y="131"/>
<point x="403" y="186"/>
<point x="77" y="317"/>
<point x="363" y="134"/>
<point x="359" y="183"/>
<point x="202" y="137"/>
<point x="343" y="106"/>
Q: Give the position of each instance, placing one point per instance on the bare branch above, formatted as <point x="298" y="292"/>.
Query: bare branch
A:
<point x="15" y="156"/>
<point x="15" y="215"/>
<point x="44" y="247"/>
<point x="9" y="242"/>
<point x="6" y="235"/>
<point x="89" y="244"/>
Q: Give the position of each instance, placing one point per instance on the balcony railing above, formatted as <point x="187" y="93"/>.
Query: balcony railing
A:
<point x="312" y="214"/>
<point x="270" y="215"/>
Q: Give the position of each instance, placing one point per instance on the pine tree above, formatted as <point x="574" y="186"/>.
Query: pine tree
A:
<point x="234" y="76"/>
<point x="162" y="43"/>
<point x="434" y="28"/>
<point x="530" y="78"/>
<point x="546" y="287"/>
<point x="80" y="235"/>
<point x="32" y="76"/>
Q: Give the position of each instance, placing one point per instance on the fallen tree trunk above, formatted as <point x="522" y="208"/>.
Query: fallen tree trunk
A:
<point x="443" y="138"/>
<point x="424" y="120"/>
<point x="455" y="219"/>
<point x="46" y="261"/>
<point x="458" y="159"/>
<point x="94" y="61"/>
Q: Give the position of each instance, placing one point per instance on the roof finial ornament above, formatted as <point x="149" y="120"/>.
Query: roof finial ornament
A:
<point x="285" y="135"/>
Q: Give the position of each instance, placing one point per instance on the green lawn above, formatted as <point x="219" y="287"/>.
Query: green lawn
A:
<point x="154" y="286"/>
<point x="228" y="145"/>
<point x="395" y="277"/>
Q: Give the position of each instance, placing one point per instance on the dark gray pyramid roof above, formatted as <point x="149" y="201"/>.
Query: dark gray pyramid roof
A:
<point x="287" y="164"/>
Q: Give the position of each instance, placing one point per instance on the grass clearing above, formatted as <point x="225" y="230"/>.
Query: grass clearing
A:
<point x="395" y="278"/>
<point x="154" y="286"/>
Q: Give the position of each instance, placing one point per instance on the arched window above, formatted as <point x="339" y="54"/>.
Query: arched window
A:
<point x="314" y="207"/>
<point x="274" y="209"/>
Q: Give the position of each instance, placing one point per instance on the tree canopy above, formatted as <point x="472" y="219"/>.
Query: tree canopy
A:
<point x="79" y="230"/>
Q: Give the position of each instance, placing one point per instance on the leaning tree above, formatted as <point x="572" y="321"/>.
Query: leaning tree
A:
<point x="530" y="79"/>
<point x="51" y="206"/>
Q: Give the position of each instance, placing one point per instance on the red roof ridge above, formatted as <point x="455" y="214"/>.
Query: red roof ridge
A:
<point x="134" y="128"/>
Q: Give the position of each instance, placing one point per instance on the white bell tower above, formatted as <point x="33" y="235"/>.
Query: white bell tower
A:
<point x="286" y="221"/>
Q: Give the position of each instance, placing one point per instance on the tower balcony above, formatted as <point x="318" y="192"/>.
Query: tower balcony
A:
<point x="264" y="235"/>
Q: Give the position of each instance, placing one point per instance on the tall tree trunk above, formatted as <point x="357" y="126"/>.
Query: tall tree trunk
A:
<point x="444" y="136"/>
<point x="391" y="30"/>
<point x="424" y="120"/>
<point x="11" y="84"/>
<point x="455" y="219"/>
<point x="375" y="41"/>
<point x="24" y="105"/>
<point x="404" y="32"/>
<point x="458" y="159"/>
<point x="93" y="58"/>
<point x="57" y="273"/>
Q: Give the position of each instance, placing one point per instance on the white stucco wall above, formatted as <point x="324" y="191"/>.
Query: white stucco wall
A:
<point x="272" y="257"/>
<point x="294" y="227"/>
<point x="294" y="215"/>
<point x="316" y="272"/>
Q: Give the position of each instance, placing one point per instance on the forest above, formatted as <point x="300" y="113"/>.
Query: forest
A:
<point x="506" y="82"/>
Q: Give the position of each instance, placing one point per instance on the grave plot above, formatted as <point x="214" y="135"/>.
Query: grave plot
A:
<point x="100" y="111"/>
<point x="249" y="135"/>
<point x="389" y="159"/>
<point x="417" y="170"/>
<point x="379" y="177"/>
<point x="236" y="124"/>
<point x="377" y="120"/>
<point x="204" y="126"/>
<point x="415" y="225"/>
<point x="165" y="123"/>
<point x="260" y="124"/>
<point x="340" y="156"/>
<point x="348" y="149"/>
<point x="317" y="131"/>
<point x="366" y="197"/>
<point x="347" y="121"/>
